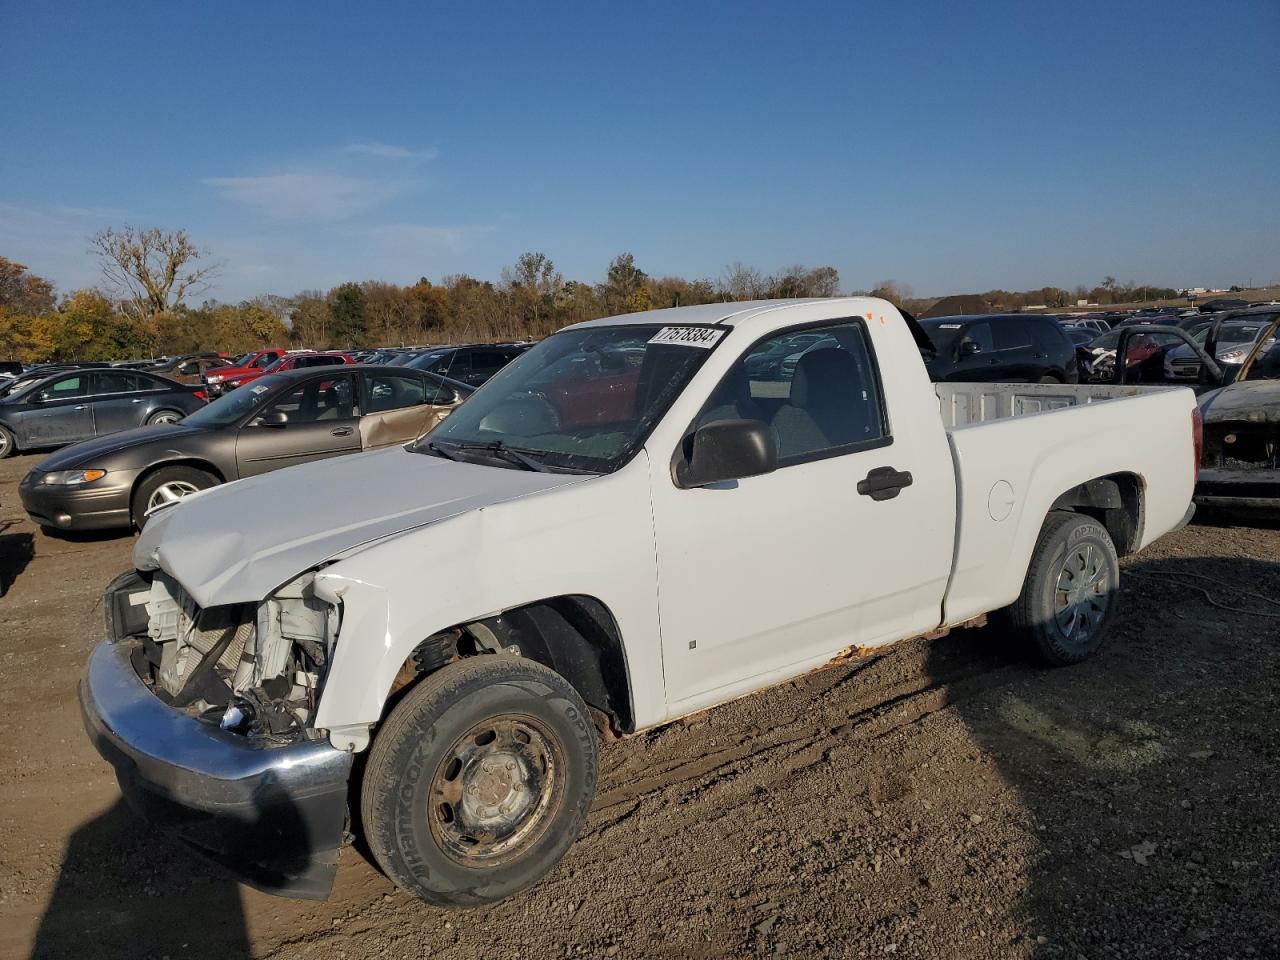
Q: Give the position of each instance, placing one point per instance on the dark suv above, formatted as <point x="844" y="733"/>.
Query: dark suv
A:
<point x="471" y="363"/>
<point x="1005" y="348"/>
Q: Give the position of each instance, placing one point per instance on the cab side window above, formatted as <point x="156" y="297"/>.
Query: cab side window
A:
<point x="820" y="395"/>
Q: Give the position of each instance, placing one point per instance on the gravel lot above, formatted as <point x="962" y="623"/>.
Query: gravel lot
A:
<point x="935" y="799"/>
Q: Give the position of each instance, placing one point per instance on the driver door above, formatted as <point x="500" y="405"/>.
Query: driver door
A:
<point x="59" y="412"/>
<point x="758" y="575"/>
<point x="315" y="420"/>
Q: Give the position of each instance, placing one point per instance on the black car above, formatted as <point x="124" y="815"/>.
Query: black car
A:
<point x="472" y="363"/>
<point x="1001" y="348"/>
<point x="279" y="420"/>
<point x="81" y="404"/>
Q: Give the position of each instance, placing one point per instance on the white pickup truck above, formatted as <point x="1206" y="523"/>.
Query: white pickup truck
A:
<point x="641" y="517"/>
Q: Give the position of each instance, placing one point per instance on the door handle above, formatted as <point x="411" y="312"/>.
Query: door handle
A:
<point x="342" y="432"/>
<point x="138" y="400"/>
<point x="884" y="483"/>
<point x="80" y="407"/>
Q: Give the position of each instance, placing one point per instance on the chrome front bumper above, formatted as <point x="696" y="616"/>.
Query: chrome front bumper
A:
<point x="272" y="815"/>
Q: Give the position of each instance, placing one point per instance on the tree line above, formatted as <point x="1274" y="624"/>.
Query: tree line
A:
<point x="142" y="309"/>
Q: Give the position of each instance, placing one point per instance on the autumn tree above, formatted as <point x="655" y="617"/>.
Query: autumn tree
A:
<point x="626" y="288"/>
<point x="347" y="307"/>
<point x="22" y="291"/>
<point x="430" y="308"/>
<point x="741" y="282"/>
<point x="151" y="270"/>
<point x="892" y="291"/>
<point x="679" y="292"/>
<point x="800" y="281"/>
<point x="532" y="285"/>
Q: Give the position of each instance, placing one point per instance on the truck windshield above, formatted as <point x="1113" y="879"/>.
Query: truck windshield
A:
<point x="581" y="400"/>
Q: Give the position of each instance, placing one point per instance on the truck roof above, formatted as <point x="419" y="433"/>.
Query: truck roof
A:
<point x="731" y="314"/>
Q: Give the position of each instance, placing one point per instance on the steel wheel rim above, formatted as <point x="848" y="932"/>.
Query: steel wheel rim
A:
<point x="4" y="443"/>
<point x="170" y="492"/>
<point x="495" y="791"/>
<point x="165" y="418"/>
<point x="1082" y="592"/>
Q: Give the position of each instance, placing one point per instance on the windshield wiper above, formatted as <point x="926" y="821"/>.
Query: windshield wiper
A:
<point x="448" y="455"/>
<point x="497" y="448"/>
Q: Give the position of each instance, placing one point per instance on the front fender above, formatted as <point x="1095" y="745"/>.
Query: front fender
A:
<point x="593" y="538"/>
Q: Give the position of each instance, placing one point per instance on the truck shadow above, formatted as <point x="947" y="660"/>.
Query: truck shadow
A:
<point x="16" y="551"/>
<point x="1148" y="774"/>
<point x="124" y="892"/>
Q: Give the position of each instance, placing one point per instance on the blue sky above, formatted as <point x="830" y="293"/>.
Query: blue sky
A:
<point x="949" y="146"/>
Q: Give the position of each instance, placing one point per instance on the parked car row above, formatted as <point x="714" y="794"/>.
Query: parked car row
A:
<point x="281" y="420"/>
<point x="53" y="410"/>
<point x="39" y="410"/>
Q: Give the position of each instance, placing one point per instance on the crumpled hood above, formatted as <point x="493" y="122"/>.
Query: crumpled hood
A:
<point x="95" y="452"/>
<point x="1254" y="401"/>
<point x="238" y="542"/>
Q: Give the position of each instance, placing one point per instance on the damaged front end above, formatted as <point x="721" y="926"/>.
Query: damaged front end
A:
<point x="253" y="669"/>
<point x="1240" y="465"/>
<point x="206" y="715"/>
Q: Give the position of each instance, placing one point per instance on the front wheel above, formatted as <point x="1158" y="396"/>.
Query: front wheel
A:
<point x="164" y="416"/>
<point x="479" y="781"/>
<point x="165" y="486"/>
<point x="8" y="443"/>
<point x="1068" y="599"/>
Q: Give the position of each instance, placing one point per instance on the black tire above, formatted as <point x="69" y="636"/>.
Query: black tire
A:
<point x="164" y="416"/>
<point x="1049" y="378"/>
<point x="178" y="477"/>
<point x="8" y="443"/>
<point x="427" y="768"/>
<point x="1073" y="568"/>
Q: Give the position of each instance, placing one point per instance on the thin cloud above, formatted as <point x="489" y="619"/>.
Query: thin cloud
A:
<point x="389" y="151"/>
<point x="307" y="195"/>
<point x="411" y="235"/>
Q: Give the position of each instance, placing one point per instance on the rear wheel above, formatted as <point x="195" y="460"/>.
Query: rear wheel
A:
<point x="167" y="485"/>
<point x="479" y="781"/>
<point x="164" y="416"/>
<point x="1069" y="597"/>
<point x="8" y="443"/>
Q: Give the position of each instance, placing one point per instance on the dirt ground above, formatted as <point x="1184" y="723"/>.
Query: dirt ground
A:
<point x="935" y="799"/>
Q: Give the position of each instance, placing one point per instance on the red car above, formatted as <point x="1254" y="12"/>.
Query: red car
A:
<point x="290" y="361"/>
<point x="257" y="361"/>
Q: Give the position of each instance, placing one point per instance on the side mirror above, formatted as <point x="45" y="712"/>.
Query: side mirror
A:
<point x="276" y="418"/>
<point x="969" y="348"/>
<point x="727" y="450"/>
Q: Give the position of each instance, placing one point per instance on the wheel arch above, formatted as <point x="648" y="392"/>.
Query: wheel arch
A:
<point x="576" y="635"/>
<point x="198" y="463"/>
<point x="1116" y="501"/>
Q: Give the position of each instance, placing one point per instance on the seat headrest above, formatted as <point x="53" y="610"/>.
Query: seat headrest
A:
<point x="822" y="376"/>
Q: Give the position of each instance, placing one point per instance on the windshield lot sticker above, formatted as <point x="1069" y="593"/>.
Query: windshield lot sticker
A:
<point x="259" y="389"/>
<point x="688" y="336"/>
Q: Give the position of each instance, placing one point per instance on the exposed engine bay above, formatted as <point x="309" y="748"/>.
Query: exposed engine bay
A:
<point x="253" y="669"/>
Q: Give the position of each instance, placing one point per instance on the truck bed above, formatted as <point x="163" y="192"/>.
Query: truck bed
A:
<point x="1011" y="465"/>
<point x="966" y="404"/>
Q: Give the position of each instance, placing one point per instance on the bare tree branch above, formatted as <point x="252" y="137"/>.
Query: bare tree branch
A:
<point x="151" y="270"/>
